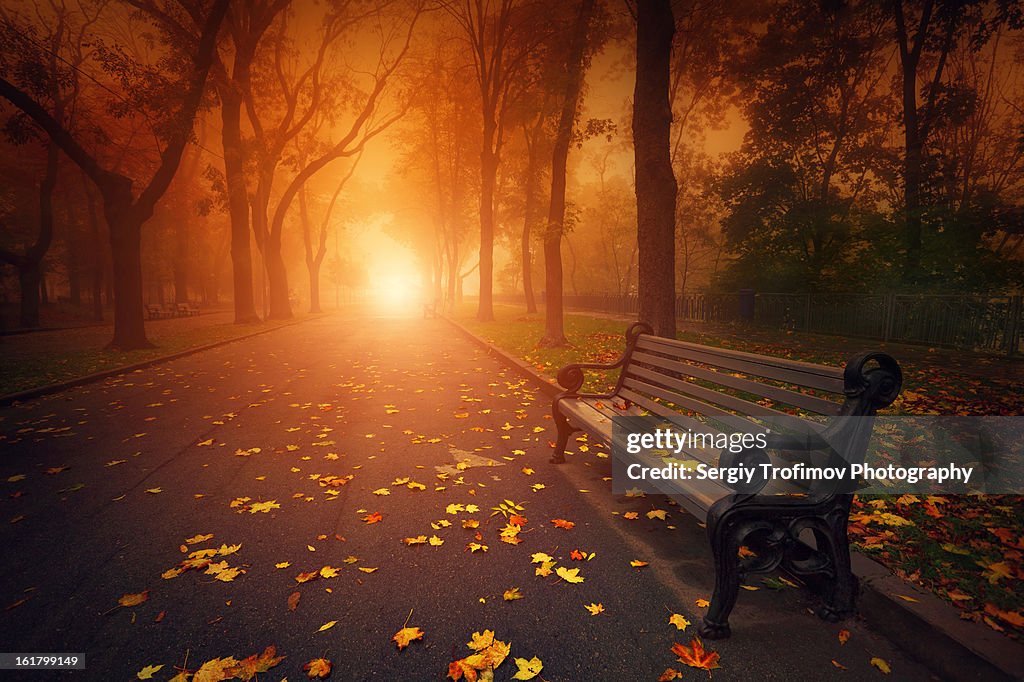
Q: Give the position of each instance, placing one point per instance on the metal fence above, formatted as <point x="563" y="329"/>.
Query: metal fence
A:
<point x="982" y="323"/>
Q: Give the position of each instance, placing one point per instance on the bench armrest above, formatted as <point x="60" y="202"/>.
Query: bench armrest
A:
<point x="571" y="377"/>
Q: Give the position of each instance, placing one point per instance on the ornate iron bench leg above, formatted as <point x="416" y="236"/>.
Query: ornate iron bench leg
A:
<point x="841" y="591"/>
<point x="725" y="547"/>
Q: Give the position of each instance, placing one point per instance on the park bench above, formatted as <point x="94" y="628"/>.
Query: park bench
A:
<point x="801" y="528"/>
<point x="186" y="310"/>
<point x="154" y="312"/>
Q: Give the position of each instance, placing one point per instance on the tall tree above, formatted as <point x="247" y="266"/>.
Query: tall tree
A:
<point x="126" y="211"/>
<point x="655" y="181"/>
<point x="575" y="64"/>
<point x="501" y="35"/>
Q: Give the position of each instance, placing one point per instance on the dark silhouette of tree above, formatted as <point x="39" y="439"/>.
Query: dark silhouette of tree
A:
<point x="575" y="64"/>
<point x="655" y="182"/>
<point x="126" y="211"/>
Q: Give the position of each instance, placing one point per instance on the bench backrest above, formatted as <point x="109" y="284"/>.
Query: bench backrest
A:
<point x="692" y="383"/>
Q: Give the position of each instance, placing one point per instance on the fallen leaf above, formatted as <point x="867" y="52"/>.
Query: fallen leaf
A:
<point x="679" y="621"/>
<point x="636" y="563"/>
<point x="881" y="664"/>
<point x="562" y="523"/>
<point x="844" y="636"/>
<point x="293" y="600"/>
<point x="695" y="655"/>
<point x="528" y="669"/>
<point x="512" y="594"/>
<point x="669" y="675"/>
<point x="594" y="608"/>
<point x="702" y="603"/>
<point x="373" y="518"/>
<point x="318" y="667"/>
<point x="406" y="635"/>
<point x="569" y="575"/>
<point x="328" y="625"/>
<point x="148" y="672"/>
<point x="133" y="599"/>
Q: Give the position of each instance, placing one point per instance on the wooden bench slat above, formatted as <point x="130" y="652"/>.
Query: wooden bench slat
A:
<point x="689" y="400"/>
<point x="788" y="371"/>
<point x="801" y="400"/>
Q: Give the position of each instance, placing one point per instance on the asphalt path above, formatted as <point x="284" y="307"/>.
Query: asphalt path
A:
<point x="106" y="484"/>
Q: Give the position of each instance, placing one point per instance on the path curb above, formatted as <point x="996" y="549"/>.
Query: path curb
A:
<point x="929" y="630"/>
<point x="48" y="389"/>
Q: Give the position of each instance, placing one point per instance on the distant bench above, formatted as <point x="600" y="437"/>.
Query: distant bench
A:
<point x="698" y="385"/>
<point x="157" y="312"/>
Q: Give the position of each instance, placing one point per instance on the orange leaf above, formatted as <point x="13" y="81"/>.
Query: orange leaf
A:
<point x="406" y="635"/>
<point x="669" y="675"/>
<point x="248" y="667"/>
<point x="318" y="667"/>
<point x="293" y="600"/>
<point x="373" y="518"/>
<point x="844" y="636"/>
<point x="695" y="655"/>
<point x="576" y="555"/>
<point x="562" y="523"/>
<point x="133" y="599"/>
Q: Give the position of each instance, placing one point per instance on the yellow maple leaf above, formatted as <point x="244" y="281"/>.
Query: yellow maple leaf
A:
<point x="228" y="549"/>
<point x="328" y="625"/>
<point x="195" y="539"/>
<point x="657" y="514"/>
<point x="215" y="670"/>
<point x="594" y="608"/>
<point x="435" y="541"/>
<point x="264" y="507"/>
<point x="636" y="563"/>
<point x="406" y="635"/>
<point x="454" y="508"/>
<point x="702" y="603"/>
<point x="366" y="569"/>
<point x="544" y="570"/>
<point x="881" y="664"/>
<point x="329" y="572"/>
<point x="996" y="571"/>
<point x="418" y="540"/>
<point x="283" y="564"/>
<point x="679" y="621"/>
<point x="540" y="558"/>
<point x="569" y="575"/>
<point x="148" y="672"/>
<point x="470" y="523"/>
<point x="528" y="669"/>
<point x="513" y="594"/>
<point x="154" y="491"/>
<point x="476" y="547"/>
<point x="228" y="574"/>
<point x="381" y="491"/>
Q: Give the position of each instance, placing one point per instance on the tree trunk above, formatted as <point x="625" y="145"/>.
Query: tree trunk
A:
<point x="30" y="284"/>
<point x="238" y="208"/>
<point x="488" y="179"/>
<point x="554" y="318"/>
<point x="529" y="219"/>
<point x="181" y="261"/>
<point x="277" y="281"/>
<point x="655" y="182"/>
<point x="126" y="249"/>
<point x="97" y="253"/>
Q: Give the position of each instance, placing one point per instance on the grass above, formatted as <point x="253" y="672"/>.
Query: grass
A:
<point x="968" y="550"/>
<point x="46" y="357"/>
